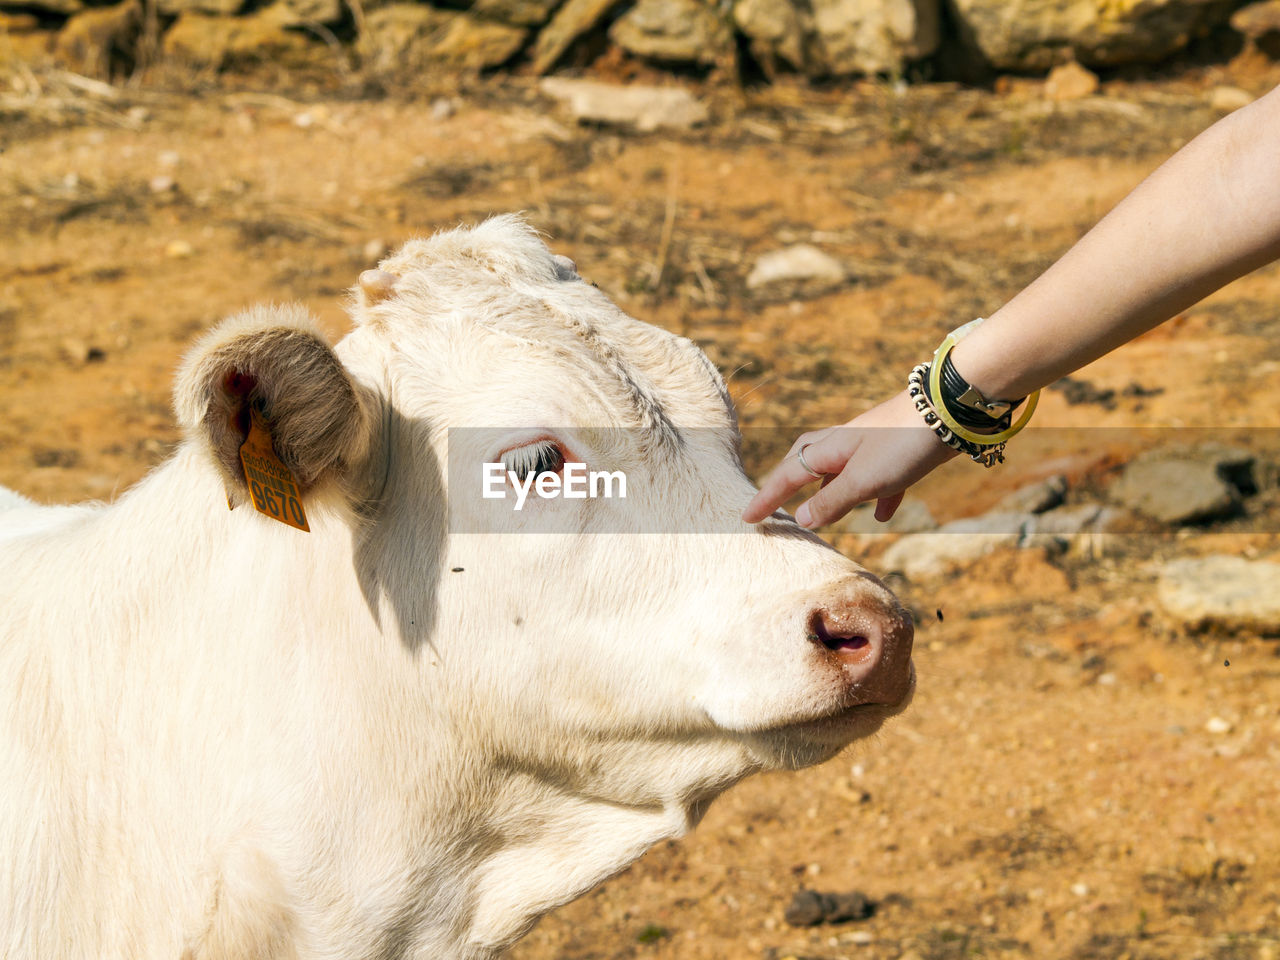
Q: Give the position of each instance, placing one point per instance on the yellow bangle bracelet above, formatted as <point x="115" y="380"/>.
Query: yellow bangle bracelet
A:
<point x="940" y="406"/>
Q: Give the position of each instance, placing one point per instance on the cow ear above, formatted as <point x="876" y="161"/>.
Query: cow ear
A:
<point x="275" y="361"/>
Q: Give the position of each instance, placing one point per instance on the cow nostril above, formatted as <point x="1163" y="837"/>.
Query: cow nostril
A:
<point x="836" y="638"/>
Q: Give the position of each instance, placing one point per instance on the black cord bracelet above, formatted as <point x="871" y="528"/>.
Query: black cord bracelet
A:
<point x="953" y="386"/>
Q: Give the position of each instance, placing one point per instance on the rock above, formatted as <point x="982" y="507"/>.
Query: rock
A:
<point x="64" y="458"/>
<point x="796" y="271"/>
<point x="831" y="38"/>
<point x="1070" y="521"/>
<point x="571" y="21"/>
<point x="805" y="909"/>
<point x="1222" y="591"/>
<point x="961" y="542"/>
<point x="808" y="908"/>
<point x="1062" y="529"/>
<point x="1036" y="497"/>
<point x="1070" y="81"/>
<point x="220" y="42"/>
<point x="78" y="353"/>
<point x="1193" y="486"/>
<point x="1218" y="725"/>
<point x="1257" y="20"/>
<point x="91" y="41"/>
<point x="958" y="543"/>
<point x="1229" y="99"/>
<point x="923" y="555"/>
<point x="675" y="31"/>
<point x="642" y="107"/>
<point x="410" y="36"/>
<point x="179" y="250"/>
<point x="470" y="43"/>
<point x="912" y="516"/>
<point x="1038" y="34"/>
<point x="871" y="36"/>
<point x="520" y="13"/>
<point x="775" y="30"/>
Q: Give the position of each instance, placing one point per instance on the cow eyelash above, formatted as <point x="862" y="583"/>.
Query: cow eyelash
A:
<point x="544" y="456"/>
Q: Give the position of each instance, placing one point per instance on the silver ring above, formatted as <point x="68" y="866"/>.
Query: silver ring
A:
<point x="805" y="463"/>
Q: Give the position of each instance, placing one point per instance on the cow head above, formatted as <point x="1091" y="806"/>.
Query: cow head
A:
<point x="643" y="655"/>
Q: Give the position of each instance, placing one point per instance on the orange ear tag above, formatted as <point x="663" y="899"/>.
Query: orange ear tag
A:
<point x="271" y="484"/>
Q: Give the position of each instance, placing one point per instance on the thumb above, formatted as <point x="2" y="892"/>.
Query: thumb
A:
<point x="886" y="507"/>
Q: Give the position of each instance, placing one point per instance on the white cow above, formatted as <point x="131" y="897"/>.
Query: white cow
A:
<point x="404" y="734"/>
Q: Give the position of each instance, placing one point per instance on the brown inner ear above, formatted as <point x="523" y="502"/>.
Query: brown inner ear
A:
<point x="240" y="387"/>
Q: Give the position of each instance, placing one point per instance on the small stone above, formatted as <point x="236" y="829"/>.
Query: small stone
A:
<point x="635" y="105"/>
<point x="375" y="250"/>
<point x="1218" y="725"/>
<point x="78" y="352"/>
<point x="442" y="108"/>
<point x="179" y="250"/>
<point x="809" y="908"/>
<point x="1070" y="81"/>
<point x="169" y="158"/>
<point x="796" y="271"/>
<point x="1080" y="889"/>
<point x="161" y="184"/>
<point x="1229" y="99"/>
<point x="805" y="909"/>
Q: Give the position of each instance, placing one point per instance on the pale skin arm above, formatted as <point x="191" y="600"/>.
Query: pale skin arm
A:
<point x="1208" y="215"/>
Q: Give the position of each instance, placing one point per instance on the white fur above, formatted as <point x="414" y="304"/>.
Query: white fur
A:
<point x="224" y="738"/>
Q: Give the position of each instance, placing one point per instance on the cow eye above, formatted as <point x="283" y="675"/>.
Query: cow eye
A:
<point x="534" y="458"/>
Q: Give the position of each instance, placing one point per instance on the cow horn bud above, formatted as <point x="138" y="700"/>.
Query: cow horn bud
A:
<point x="377" y="285"/>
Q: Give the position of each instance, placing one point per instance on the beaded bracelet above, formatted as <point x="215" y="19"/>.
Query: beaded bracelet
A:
<point x="987" y="454"/>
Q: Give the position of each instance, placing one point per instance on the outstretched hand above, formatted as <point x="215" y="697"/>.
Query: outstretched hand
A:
<point x="875" y="456"/>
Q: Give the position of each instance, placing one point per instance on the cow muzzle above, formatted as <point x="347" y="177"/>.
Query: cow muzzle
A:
<point x="861" y="637"/>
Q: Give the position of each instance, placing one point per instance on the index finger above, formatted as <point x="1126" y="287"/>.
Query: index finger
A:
<point x="786" y="478"/>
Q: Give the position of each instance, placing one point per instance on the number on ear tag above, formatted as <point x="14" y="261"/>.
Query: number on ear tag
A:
<point x="271" y="484"/>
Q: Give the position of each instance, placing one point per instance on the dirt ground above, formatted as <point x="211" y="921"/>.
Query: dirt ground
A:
<point x="1057" y="788"/>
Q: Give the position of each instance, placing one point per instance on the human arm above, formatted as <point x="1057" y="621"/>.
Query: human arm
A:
<point x="1208" y="215"/>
